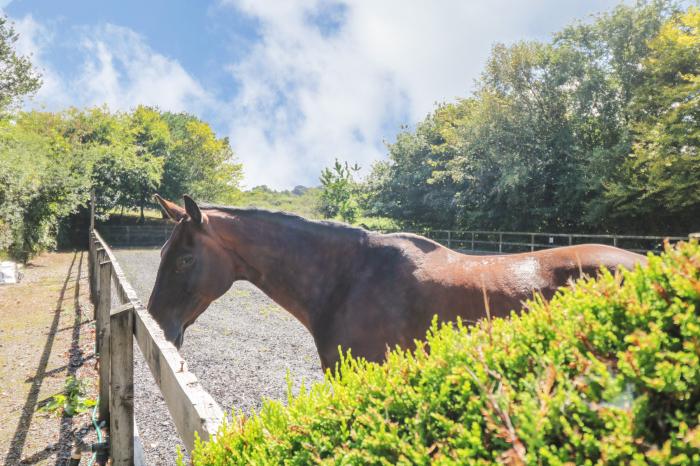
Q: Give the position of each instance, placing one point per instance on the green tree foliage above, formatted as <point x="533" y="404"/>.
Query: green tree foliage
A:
<point x="17" y="77"/>
<point x="605" y="373"/>
<point x="339" y="192"/>
<point x="544" y="140"/>
<point x="50" y="161"/>
<point x="198" y="163"/>
<point x="38" y="187"/>
<point x="300" y="200"/>
<point x="659" y="178"/>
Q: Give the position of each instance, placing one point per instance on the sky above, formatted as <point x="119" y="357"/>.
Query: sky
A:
<point x="294" y="84"/>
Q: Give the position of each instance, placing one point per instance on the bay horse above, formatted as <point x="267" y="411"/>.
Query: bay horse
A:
<point x="351" y="288"/>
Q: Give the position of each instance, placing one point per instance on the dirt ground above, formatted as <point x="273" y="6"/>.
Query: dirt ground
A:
<point x="46" y="335"/>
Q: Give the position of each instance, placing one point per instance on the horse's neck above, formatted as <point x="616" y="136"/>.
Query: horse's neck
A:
<point x="296" y="262"/>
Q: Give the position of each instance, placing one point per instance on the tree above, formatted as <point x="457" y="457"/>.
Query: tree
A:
<point x="150" y="142"/>
<point x="17" y="77"/>
<point x="198" y="163"/>
<point x="660" y="175"/>
<point x="540" y="141"/>
<point x="339" y="191"/>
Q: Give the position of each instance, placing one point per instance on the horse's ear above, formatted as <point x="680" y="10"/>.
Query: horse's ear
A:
<point x="172" y="210"/>
<point x="193" y="210"/>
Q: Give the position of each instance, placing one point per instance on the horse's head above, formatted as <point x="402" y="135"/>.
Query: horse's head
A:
<point x="194" y="270"/>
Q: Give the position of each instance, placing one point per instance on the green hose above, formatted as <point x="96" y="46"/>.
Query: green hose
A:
<point x="97" y="429"/>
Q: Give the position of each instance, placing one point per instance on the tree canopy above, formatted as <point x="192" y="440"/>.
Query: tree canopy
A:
<point x="596" y="130"/>
<point x="51" y="161"/>
<point x="17" y="77"/>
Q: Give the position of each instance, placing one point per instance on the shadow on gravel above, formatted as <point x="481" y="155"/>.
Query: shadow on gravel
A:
<point x="76" y="359"/>
<point x="20" y="436"/>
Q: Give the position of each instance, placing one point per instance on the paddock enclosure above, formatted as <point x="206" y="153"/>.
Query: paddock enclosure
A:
<point x="238" y="353"/>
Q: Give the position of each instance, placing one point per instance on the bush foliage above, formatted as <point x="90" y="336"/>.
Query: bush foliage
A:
<point x="605" y="373"/>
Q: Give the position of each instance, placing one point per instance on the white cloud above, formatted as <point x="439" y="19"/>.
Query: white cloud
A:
<point x="33" y="39"/>
<point x="389" y="61"/>
<point x="117" y="68"/>
<point x="122" y="71"/>
<point x="306" y="92"/>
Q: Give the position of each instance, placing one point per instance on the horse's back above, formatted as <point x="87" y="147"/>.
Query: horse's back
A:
<point x="591" y="257"/>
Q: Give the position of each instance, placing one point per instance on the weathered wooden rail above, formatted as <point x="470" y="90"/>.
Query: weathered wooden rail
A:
<point x="192" y="409"/>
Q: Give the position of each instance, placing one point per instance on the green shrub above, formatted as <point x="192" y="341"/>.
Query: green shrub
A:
<point x="606" y="373"/>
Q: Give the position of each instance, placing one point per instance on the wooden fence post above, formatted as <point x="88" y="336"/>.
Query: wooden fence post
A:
<point x="472" y="240"/>
<point x="121" y="397"/>
<point x="91" y="267"/>
<point x="449" y="239"/>
<point x="532" y="242"/>
<point x="94" y="272"/>
<point x="92" y="210"/>
<point x="99" y="254"/>
<point x="104" y="306"/>
<point x="500" y="242"/>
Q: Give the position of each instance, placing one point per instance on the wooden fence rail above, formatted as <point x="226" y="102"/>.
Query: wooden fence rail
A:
<point x="192" y="409"/>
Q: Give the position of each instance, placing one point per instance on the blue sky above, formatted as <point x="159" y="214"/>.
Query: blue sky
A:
<point x="293" y="83"/>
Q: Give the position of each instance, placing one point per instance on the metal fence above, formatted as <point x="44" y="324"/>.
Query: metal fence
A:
<point x="503" y="242"/>
<point x="477" y="241"/>
<point x="136" y="235"/>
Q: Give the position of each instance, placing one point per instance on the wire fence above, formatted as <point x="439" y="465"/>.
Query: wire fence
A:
<point x="504" y="242"/>
<point x="476" y="241"/>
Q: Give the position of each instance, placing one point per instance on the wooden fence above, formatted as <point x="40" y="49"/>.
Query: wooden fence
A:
<point x="191" y="407"/>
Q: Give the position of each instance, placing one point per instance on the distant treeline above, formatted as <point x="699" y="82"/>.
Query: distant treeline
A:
<point x="597" y="130"/>
<point x="49" y="162"/>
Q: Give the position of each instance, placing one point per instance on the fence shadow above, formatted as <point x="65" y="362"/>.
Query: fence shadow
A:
<point x="76" y="359"/>
<point x="19" y="438"/>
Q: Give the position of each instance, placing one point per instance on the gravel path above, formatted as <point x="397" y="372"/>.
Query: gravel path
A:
<point x="240" y="349"/>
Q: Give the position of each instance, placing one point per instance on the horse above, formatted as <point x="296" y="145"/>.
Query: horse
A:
<point x="351" y="288"/>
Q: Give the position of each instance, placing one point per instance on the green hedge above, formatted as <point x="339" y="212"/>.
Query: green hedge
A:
<point x="606" y="373"/>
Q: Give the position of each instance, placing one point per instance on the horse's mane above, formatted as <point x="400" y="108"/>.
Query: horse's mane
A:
<point x="289" y="219"/>
<point x="328" y="227"/>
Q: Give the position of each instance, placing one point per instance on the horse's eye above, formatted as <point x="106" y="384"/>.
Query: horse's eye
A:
<point x="184" y="261"/>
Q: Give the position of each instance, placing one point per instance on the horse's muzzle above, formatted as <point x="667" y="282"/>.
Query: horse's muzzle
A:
<point x="175" y="336"/>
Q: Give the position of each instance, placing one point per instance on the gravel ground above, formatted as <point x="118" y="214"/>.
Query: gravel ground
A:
<point x="240" y="349"/>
